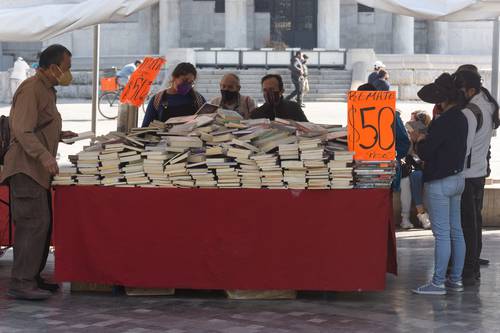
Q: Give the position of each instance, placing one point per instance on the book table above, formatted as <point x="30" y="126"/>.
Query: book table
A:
<point x="337" y="240"/>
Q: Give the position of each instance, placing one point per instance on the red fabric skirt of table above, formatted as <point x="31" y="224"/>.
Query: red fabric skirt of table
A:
<point x="4" y="216"/>
<point x="224" y="239"/>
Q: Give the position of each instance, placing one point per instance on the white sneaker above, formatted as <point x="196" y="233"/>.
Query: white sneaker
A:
<point x="424" y="219"/>
<point x="406" y="224"/>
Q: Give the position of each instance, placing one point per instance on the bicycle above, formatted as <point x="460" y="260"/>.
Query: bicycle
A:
<point x="109" y="99"/>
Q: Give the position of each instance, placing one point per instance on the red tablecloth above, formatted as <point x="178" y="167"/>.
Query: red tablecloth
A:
<point x="224" y="239"/>
<point x="4" y="216"/>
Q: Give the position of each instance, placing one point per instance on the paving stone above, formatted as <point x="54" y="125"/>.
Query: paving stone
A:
<point x="394" y="310"/>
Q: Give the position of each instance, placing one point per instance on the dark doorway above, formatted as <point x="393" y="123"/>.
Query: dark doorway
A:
<point x="294" y="22"/>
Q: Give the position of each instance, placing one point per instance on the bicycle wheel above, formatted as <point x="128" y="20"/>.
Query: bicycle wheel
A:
<point x="108" y="105"/>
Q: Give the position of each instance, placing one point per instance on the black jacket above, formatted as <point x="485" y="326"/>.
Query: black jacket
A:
<point x="444" y="149"/>
<point x="285" y="110"/>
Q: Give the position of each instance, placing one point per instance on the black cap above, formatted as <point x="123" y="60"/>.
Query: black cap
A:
<point x="442" y="90"/>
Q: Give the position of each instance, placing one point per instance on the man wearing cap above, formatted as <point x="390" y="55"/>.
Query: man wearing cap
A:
<point x="379" y="65"/>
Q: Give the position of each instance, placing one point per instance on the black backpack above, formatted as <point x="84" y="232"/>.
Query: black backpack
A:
<point x="4" y="137"/>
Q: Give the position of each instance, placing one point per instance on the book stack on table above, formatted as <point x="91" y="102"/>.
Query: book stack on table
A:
<point x="218" y="150"/>
<point x="374" y="174"/>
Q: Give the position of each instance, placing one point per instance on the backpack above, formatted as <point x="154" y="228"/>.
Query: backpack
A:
<point x="4" y="137"/>
<point x="477" y="113"/>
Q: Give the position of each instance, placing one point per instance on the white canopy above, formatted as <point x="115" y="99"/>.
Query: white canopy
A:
<point x="36" y="20"/>
<point x="440" y="10"/>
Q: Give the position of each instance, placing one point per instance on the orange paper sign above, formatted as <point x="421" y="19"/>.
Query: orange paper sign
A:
<point x="140" y="82"/>
<point x="371" y="124"/>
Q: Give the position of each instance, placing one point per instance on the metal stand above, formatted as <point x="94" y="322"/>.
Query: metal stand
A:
<point x="127" y="118"/>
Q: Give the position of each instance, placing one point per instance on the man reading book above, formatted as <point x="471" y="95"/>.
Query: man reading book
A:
<point x="276" y="106"/>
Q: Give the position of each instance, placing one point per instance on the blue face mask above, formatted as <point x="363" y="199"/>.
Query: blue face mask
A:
<point x="184" y="88"/>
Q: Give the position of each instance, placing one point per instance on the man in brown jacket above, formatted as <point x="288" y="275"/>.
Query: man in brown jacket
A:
<point x="30" y="163"/>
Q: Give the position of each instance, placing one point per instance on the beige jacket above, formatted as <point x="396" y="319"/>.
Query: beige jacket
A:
<point x="244" y="106"/>
<point x="35" y="129"/>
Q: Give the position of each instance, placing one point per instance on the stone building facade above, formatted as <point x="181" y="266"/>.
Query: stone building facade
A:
<point x="307" y="24"/>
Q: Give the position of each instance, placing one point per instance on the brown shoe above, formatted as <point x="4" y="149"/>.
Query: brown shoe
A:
<point x="45" y="285"/>
<point x="33" y="294"/>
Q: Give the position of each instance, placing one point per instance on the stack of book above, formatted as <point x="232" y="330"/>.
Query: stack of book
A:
<point x="177" y="172"/>
<point x="294" y="174"/>
<point x="341" y="170"/>
<point x="88" y="168"/>
<point x="66" y="176"/>
<point x="374" y="174"/>
<point x="219" y="150"/>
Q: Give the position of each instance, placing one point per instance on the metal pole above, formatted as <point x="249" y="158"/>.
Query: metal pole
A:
<point x="495" y="60"/>
<point x="95" y="75"/>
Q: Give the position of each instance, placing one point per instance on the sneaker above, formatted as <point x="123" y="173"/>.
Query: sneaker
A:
<point x="424" y="219"/>
<point x="484" y="262"/>
<point x="430" y="289"/>
<point x="406" y="224"/>
<point x="44" y="285"/>
<point x="454" y="286"/>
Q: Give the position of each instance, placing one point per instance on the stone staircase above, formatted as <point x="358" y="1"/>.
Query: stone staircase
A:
<point x="326" y="85"/>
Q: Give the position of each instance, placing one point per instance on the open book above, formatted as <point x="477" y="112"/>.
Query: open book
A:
<point x="80" y="137"/>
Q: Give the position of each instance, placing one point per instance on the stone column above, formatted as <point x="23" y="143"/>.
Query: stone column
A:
<point x="148" y="23"/>
<point x="1" y="58"/>
<point x="170" y="25"/>
<point x="403" y="34"/>
<point x="236" y="23"/>
<point x="250" y="24"/>
<point x="329" y="24"/>
<point x="437" y="37"/>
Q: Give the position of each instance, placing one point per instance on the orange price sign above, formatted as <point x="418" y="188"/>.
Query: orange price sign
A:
<point x="371" y="124"/>
<point x="141" y="80"/>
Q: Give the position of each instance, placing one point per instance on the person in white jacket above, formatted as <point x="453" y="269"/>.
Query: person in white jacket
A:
<point x="18" y="75"/>
<point x="482" y="110"/>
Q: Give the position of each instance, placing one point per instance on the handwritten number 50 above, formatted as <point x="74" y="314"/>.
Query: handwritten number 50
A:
<point x="376" y="134"/>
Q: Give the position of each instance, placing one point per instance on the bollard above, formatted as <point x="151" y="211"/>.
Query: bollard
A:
<point x="127" y="118"/>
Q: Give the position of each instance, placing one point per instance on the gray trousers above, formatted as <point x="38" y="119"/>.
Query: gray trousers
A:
<point x="31" y="213"/>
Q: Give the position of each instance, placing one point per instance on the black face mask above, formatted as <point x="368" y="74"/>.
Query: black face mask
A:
<point x="229" y="96"/>
<point x="272" y="97"/>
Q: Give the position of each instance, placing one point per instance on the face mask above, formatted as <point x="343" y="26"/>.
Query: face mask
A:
<point x="184" y="88"/>
<point x="65" y="79"/>
<point x="272" y="97"/>
<point x="228" y="96"/>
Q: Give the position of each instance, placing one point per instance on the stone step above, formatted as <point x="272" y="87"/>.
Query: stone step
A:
<point x="287" y="91"/>
<point x="271" y="70"/>
<point x="286" y="82"/>
<point x="286" y="74"/>
<point x="253" y="86"/>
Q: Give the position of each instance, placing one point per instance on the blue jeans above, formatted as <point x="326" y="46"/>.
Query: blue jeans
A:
<point x="443" y="203"/>
<point x="417" y="187"/>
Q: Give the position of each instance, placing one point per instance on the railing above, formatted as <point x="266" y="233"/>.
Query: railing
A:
<point x="267" y="58"/>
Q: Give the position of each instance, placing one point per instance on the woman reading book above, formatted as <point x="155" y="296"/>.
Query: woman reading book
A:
<point x="179" y="99"/>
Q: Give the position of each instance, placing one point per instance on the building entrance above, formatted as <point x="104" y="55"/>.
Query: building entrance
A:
<point x="294" y="22"/>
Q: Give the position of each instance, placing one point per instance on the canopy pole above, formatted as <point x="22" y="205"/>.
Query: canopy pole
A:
<point x="95" y="75"/>
<point x="495" y="61"/>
